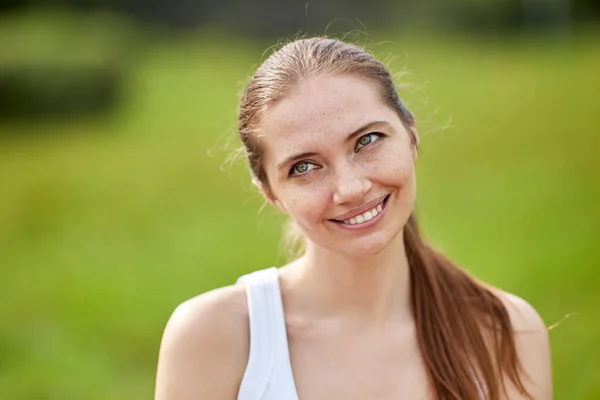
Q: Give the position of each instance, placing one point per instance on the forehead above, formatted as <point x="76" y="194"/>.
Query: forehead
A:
<point x="323" y="108"/>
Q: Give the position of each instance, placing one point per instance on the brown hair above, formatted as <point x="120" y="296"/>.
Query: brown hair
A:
<point x="463" y="329"/>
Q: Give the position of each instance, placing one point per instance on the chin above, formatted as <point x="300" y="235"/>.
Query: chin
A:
<point x="372" y="246"/>
<point x="366" y="246"/>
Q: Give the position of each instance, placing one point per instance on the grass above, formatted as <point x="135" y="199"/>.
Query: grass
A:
<point x="106" y="225"/>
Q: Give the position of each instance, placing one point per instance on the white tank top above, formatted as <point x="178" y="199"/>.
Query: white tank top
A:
<point x="268" y="374"/>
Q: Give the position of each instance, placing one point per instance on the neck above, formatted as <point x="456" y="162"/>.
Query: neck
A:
<point x="372" y="289"/>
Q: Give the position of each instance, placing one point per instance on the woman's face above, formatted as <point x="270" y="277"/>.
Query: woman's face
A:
<point x="340" y="163"/>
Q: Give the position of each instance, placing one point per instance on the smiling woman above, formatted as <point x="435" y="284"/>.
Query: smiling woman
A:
<point x="369" y="310"/>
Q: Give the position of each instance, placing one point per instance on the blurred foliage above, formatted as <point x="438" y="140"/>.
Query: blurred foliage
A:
<point x="273" y="18"/>
<point x="50" y="91"/>
<point x="107" y="223"/>
<point x="61" y="37"/>
<point x="57" y="63"/>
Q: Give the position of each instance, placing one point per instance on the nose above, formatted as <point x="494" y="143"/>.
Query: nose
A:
<point x="351" y="185"/>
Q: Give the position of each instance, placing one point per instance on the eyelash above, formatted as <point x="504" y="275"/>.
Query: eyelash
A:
<point x="378" y="136"/>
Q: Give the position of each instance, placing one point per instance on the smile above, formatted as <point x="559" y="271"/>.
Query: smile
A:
<point x="362" y="218"/>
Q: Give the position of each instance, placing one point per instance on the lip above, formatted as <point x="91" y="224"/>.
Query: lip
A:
<point x="360" y="210"/>
<point x="365" y="225"/>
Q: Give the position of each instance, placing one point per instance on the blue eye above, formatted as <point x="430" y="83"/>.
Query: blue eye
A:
<point x="367" y="140"/>
<point x="302" y="167"/>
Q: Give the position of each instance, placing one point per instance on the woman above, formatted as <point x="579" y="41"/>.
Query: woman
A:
<point x="369" y="311"/>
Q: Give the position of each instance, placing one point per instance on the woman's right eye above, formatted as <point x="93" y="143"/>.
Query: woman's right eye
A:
<point x="301" y="168"/>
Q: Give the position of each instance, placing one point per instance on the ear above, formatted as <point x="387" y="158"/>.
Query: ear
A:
<point x="269" y="195"/>
<point x="415" y="143"/>
<point x="280" y="205"/>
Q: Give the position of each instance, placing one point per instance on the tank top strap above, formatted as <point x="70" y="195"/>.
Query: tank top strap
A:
<point x="268" y="365"/>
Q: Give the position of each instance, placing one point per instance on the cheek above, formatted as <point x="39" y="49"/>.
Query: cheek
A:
<point x="407" y="182"/>
<point x="307" y="205"/>
<point x="392" y="167"/>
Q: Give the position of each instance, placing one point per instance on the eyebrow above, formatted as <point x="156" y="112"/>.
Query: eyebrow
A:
<point x="359" y="131"/>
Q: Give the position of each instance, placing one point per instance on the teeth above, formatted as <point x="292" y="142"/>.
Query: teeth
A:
<point x="366" y="216"/>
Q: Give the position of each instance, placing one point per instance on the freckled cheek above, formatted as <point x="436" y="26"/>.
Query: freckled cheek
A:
<point x="308" y="206"/>
<point x="392" y="172"/>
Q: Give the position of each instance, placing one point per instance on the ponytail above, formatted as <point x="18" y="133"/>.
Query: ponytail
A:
<point x="463" y="329"/>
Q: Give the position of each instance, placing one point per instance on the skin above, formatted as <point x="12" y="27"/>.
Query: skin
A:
<point x="350" y="330"/>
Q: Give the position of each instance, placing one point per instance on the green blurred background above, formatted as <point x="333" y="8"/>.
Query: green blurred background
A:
<point x="119" y="197"/>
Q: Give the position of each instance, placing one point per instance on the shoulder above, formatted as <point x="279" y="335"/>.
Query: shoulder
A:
<point x="532" y="345"/>
<point x="205" y="346"/>
<point x="523" y="316"/>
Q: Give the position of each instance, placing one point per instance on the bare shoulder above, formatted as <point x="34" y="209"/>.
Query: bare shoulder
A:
<point x="205" y="345"/>
<point x="523" y="316"/>
<point x="533" y="346"/>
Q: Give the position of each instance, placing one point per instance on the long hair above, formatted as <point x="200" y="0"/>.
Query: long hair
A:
<point x="463" y="328"/>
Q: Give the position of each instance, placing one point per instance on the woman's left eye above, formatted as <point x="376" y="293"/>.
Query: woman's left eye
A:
<point x="367" y="140"/>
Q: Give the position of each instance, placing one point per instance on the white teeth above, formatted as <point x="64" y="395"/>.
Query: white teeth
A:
<point x="366" y="216"/>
